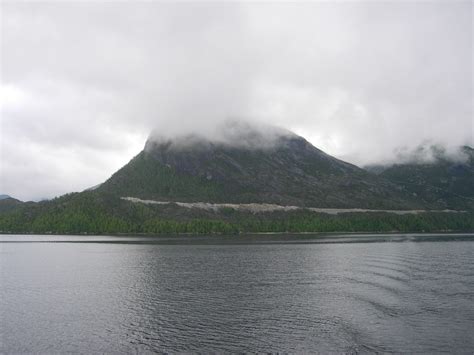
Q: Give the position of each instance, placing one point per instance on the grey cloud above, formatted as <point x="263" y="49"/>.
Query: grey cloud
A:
<point x="429" y="152"/>
<point x="357" y="79"/>
<point x="232" y="132"/>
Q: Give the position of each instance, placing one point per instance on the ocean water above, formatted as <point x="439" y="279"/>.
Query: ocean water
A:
<point x="365" y="293"/>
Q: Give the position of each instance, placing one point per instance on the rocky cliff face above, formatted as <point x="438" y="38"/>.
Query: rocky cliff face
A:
<point x="289" y="171"/>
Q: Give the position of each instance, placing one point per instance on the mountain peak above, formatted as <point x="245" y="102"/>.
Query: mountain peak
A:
<point x="248" y="164"/>
<point x="231" y="134"/>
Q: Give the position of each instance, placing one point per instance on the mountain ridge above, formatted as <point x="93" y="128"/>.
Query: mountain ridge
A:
<point x="292" y="172"/>
<point x="302" y="185"/>
<point x="442" y="181"/>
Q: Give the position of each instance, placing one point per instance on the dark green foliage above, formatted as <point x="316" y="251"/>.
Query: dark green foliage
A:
<point x="8" y="203"/>
<point x="146" y="178"/>
<point x="98" y="213"/>
<point x="443" y="182"/>
<point x="292" y="173"/>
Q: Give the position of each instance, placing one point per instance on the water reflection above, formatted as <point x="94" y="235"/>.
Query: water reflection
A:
<point x="290" y="297"/>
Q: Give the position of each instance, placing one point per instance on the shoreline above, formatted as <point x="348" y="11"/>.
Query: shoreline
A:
<point x="242" y="240"/>
<point x="249" y="234"/>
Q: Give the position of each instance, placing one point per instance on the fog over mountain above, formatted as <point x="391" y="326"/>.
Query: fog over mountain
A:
<point x="428" y="153"/>
<point x="84" y="83"/>
<point x="231" y="133"/>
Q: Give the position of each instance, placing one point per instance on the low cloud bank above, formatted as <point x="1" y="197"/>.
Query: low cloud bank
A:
<point x="84" y="83"/>
<point x="428" y="153"/>
<point x="233" y="133"/>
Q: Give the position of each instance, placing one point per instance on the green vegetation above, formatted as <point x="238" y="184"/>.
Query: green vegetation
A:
<point x="444" y="182"/>
<point x="92" y="212"/>
<point x="8" y="203"/>
<point x="293" y="173"/>
<point x="144" y="177"/>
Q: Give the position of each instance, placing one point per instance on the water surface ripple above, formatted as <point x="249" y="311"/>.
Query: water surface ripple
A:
<point x="254" y="294"/>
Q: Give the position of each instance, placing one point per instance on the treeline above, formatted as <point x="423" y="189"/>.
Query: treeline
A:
<point x="94" y="213"/>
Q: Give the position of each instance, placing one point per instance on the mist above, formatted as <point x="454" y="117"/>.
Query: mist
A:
<point x="429" y="153"/>
<point x="84" y="84"/>
<point x="235" y="133"/>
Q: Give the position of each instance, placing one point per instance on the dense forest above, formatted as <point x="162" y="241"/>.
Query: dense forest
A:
<point x="293" y="173"/>
<point x="98" y="213"/>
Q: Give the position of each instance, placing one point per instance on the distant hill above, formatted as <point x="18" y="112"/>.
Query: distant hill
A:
<point x="8" y="203"/>
<point x="197" y="185"/>
<point x="445" y="182"/>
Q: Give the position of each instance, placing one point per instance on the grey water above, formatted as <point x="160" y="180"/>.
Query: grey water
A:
<point x="337" y="293"/>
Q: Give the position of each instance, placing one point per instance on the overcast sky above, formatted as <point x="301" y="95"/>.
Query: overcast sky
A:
<point x="84" y="83"/>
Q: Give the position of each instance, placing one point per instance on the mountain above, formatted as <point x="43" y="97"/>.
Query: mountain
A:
<point x="289" y="172"/>
<point x="445" y="181"/>
<point x="8" y="203"/>
<point x="251" y="182"/>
